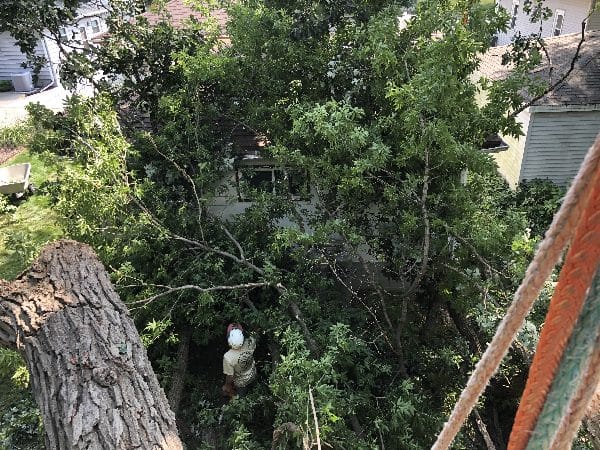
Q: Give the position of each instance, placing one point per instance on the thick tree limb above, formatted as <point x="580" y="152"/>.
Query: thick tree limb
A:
<point x="89" y="371"/>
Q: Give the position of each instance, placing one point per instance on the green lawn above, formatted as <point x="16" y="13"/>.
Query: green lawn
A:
<point x="31" y="225"/>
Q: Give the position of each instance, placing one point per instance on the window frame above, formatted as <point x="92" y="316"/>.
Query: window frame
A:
<point x="494" y="144"/>
<point x="63" y="34"/>
<point x="515" y="14"/>
<point x="558" y="13"/>
<point x="267" y="166"/>
<point x="95" y="28"/>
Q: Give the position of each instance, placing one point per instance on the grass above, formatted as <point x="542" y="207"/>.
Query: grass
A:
<point x="33" y="224"/>
<point x="24" y="232"/>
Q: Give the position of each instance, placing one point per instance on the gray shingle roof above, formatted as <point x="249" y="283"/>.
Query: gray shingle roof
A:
<point x="582" y="86"/>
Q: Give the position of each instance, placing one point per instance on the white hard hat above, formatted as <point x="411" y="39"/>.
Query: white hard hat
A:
<point x="235" y="338"/>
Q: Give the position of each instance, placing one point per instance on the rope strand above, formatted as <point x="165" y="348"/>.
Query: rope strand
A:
<point x="567" y="429"/>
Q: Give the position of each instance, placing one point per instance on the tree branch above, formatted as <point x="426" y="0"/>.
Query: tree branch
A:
<point x="553" y="86"/>
<point x="483" y="430"/>
<point x="294" y="309"/>
<point x="193" y="287"/>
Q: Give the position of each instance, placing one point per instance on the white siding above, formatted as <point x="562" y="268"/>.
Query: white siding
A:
<point x="575" y="12"/>
<point x="593" y="22"/>
<point x="509" y="161"/>
<point x="11" y="59"/>
<point x="557" y="143"/>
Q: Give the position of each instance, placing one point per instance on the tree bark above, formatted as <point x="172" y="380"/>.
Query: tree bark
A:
<point x="90" y="373"/>
<point x="180" y="370"/>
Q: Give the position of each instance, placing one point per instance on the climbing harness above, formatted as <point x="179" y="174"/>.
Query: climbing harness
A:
<point x="566" y="368"/>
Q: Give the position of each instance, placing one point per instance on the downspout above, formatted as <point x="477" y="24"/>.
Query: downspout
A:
<point x="50" y="65"/>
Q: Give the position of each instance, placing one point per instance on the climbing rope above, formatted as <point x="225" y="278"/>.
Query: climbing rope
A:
<point x="557" y="237"/>
<point x="565" y="308"/>
<point x="569" y="377"/>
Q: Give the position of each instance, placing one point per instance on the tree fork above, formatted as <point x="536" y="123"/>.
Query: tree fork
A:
<point x="90" y="373"/>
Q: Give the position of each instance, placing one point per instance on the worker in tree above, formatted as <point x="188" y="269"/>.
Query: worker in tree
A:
<point x="238" y="363"/>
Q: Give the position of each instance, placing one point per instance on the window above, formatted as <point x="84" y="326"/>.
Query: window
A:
<point x="82" y="34"/>
<point x="62" y="31"/>
<point x="252" y="179"/>
<point x="559" y="18"/>
<point x="494" y="144"/>
<point x="94" y="25"/>
<point x="515" y="12"/>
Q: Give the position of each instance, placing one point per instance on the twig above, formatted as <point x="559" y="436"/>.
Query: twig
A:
<point x="195" y="243"/>
<point x="188" y="179"/>
<point x="355" y="295"/>
<point x="486" y="265"/>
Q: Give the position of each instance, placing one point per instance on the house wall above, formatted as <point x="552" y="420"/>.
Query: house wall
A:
<point x="84" y="24"/>
<point x="11" y="59"/>
<point x="593" y="22"/>
<point x="509" y="161"/>
<point x="575" y="12"/>
<point x="226" y="204"/>
<point x="557" y="143"/>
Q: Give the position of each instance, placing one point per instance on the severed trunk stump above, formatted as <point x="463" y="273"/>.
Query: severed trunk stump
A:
<point x="90" y="373"/>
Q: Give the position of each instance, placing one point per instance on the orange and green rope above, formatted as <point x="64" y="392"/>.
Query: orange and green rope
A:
<point x="565" y="308"/>
<point x="578" y="220"/>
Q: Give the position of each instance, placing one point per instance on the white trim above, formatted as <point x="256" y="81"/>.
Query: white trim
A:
<point x="514" y="14"/>
<point x="558" y="13"/>
<point x="50" y="63"/>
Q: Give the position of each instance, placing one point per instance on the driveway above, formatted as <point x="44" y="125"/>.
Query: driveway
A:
<point x="12" y="104"/>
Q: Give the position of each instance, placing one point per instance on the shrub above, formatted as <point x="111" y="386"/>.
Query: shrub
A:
<point x="5" y="86"/>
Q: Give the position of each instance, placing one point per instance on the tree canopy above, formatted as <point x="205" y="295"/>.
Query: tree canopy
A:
<point x="375" y="258"/>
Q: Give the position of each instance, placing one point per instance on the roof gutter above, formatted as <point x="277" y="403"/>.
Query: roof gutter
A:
<point x="563" y="108"/>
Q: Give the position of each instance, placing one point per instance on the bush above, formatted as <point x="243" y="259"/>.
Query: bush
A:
<point x="21" y="427"/>
<point x="540" y="199"/>
<point x="5" y="86"/>
<point x="15" y="136"/>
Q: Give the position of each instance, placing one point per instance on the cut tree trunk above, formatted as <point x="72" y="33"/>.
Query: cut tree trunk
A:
<point x="89" y="371"/>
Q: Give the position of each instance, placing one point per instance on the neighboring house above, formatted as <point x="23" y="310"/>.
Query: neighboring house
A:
<point x="12" y="60"/>
<point x="178" y="13"/>
<point x="89" y="23"/>
<point x="567" y="17"/>
<point x="559" y="128"/>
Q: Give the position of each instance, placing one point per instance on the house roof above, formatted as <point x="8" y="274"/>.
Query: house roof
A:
<point x="581" y="87"/>
<point x="180" y="12"/>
